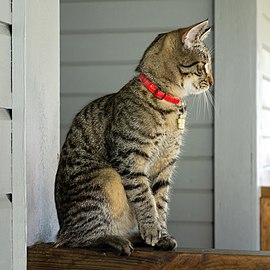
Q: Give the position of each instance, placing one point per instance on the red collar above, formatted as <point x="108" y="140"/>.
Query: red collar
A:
<point x="156" y="91"/>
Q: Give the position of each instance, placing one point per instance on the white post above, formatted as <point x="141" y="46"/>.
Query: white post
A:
<point x="236" y="190"/>
<point x="35" y="122"/>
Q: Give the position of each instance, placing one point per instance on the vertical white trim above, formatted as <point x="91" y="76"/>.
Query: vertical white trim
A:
<point x="236" y="190"/>
<point x="18" y="137"/>
<point x="35" y="123"/>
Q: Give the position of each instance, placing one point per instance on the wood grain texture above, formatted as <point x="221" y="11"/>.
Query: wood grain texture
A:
<point x="265" y="223"/>
<point x="78" y="259"/>
<point x="265" y="192"/>
<point x="265" y="218"/>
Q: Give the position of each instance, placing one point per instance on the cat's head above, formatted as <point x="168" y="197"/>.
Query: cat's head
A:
<point x="180" y="61"/>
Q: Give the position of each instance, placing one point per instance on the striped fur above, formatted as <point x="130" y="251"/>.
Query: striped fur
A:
<point x="113" y="178"/>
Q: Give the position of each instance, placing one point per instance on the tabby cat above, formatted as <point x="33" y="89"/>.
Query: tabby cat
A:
<point x="113" y="178"/>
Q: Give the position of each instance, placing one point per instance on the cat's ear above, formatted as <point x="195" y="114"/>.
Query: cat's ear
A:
<point x="205" y="34"/>
<point x="190" y="34"/>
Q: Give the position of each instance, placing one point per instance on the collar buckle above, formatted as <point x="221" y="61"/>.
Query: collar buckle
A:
<point x="155" y="93"/>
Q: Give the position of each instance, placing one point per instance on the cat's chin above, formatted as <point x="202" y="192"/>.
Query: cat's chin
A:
<point x="199" y="91"/>
<point x="195" y="92"/>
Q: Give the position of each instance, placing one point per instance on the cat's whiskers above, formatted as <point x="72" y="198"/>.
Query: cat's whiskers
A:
<point x="211" y="51"/>
<point x="199" y="107"/>
<point x="208" y="104"/>
<point x="211" y="99"/>
<point x="204" y="104"/>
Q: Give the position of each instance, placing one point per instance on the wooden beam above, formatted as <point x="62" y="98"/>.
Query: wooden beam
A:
<point x="42" y="257"/>
<point x="265" y="218"/>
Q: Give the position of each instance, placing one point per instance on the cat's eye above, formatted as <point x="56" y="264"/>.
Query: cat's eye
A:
<point x="190" y="65"/>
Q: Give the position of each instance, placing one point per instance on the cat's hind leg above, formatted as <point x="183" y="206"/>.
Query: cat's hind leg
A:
<point x="103" y="219"/>
<point x="118" y="244"/>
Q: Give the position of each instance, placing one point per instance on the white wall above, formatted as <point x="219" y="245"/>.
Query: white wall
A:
<point x="101" y="43"/>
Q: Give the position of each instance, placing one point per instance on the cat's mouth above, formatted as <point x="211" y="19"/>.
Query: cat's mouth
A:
<point x="192" y="88"/>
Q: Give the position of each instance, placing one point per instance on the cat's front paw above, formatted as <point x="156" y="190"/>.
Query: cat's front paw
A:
<point x="150" y="233"/>
<point x="166" y="242"/>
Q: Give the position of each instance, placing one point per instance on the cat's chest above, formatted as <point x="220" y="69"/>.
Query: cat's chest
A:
<point x="174" y="124"/>
<point x="171" y="137"/>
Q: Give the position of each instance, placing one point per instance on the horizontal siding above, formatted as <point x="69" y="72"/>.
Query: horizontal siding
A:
<point x="194" y="174"/>
<point x="130" y="15"/>
<point x="5" y="11"/>
<point x="5" y="66"/>
<point x="86" y="80"/>
<point x="101" y="44"/>
<point x="5" y="157"/>
<point x="105" y="48"/>
<point x="5" y="233"/>
<point x="192" y="234"/>
<point x="191" y="206"/>
<point x="198" y="142"/>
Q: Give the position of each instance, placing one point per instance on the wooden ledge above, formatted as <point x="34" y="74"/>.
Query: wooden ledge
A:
<point x="43" y="257"/>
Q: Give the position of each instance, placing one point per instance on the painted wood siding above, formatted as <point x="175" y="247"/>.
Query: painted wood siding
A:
<point x="5" y="136"/>
<point x="5" y="11"/>
<point x="101" y="43"/>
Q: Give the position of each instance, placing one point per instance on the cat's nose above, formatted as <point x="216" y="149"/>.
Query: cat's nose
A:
<point x="210" y="80"/>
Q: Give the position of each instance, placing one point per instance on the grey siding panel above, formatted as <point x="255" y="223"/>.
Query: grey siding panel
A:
<point x="5" y="11"/>
<point x="192" y="234"/>
<point x="5" y="233"/>
<point x="101" y="44"/>
<point x="5" y="66"/>
<point x="5" y="157"/>
<point x="194" y="174"/>
<point x="131" y="15"/>
<point x="105" y="48"/>
<point x="91" y="79"/>
<point x="198" y="142"/>
<point x="191" y="206"/>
